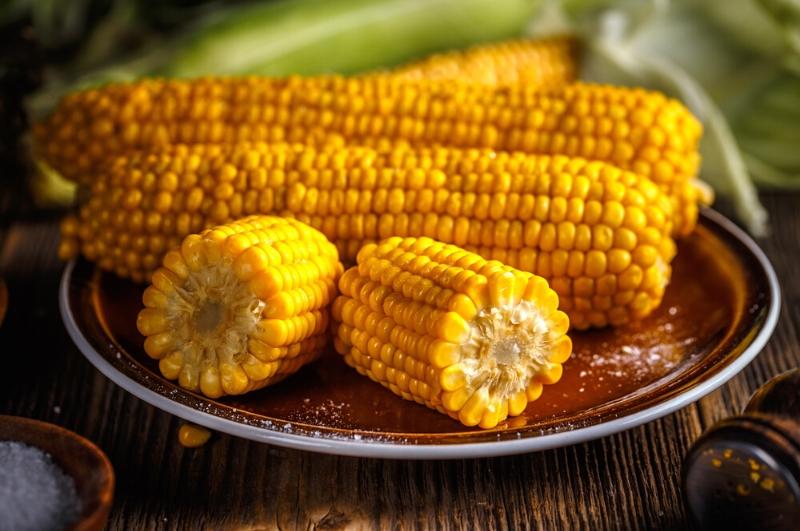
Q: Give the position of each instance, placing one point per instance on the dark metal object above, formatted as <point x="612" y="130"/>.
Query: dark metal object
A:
<point x="744" y="473"/>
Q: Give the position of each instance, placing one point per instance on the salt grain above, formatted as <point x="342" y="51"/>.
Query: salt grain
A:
<point x="35" y="494"/>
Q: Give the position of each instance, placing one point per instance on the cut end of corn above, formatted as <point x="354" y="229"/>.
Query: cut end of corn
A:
<point x="240" y="306"/>
<point x="472" y="338"/>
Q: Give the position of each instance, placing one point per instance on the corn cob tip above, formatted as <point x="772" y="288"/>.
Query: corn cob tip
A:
<point x="240" y="306"/>
<point x="705" y="193"/>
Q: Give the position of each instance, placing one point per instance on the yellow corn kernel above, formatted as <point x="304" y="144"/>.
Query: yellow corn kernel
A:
<point x="193" y="436"/>
<point x="213" y="333"/>
<point x="480" y="369"/>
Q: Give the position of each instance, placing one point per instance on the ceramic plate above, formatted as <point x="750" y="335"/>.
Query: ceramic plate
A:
<point x="718" y="312"/>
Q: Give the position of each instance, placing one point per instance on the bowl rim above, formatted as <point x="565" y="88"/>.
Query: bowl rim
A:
<point x="103" y="502"/>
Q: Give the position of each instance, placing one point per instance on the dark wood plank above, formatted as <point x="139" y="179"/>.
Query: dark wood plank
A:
<point x="630" y="480"/>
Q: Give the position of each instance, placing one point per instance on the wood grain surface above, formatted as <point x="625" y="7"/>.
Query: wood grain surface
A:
<point x="626" y="481"/>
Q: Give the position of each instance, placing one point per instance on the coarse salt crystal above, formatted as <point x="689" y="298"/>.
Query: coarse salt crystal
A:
<point x="35" y="494"/>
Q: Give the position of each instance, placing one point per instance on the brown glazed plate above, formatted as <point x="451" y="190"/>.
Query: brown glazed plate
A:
<point x="718" y="313"/>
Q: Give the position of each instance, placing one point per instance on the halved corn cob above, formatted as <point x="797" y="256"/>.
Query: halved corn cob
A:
<point x="532" y="62"/>
<point x="240" y="306"/>
<point x="642" y="131"/>
<point x="472" y="338"/>
<point x="598" y="234"/>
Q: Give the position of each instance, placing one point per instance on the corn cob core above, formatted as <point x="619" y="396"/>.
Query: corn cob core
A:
<point x="598" y="234"/>
<point x="472" y="338"/>
<point x="634" y="129"/>
<point x="240" y="306"/>
<point x="532" y="62"/>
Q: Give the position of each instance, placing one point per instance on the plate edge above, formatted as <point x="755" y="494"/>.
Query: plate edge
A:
<point x="386" y="450"/>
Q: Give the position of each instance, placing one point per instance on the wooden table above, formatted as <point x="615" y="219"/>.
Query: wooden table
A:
<point x="629" y="480"/>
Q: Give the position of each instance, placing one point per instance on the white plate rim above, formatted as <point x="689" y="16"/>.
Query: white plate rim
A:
<point x="396" y="450"/>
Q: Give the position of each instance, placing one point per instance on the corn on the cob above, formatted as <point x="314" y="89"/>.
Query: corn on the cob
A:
<point x="539" y="63"/>
<point x="471" y="338"/>
<point x="598" y="234"/>
<point x="634" y="129"/>
<point x="240" y="306"/>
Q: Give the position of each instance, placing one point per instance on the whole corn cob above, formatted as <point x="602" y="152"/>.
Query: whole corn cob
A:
<point x="472" y="338"/>
<point x="634" y="129"/>
<point x="598" y="234"/>
<point x="240" y="306"/>
<point x="532" y="62"/>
